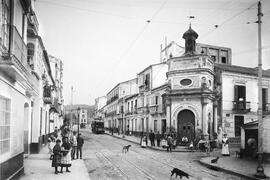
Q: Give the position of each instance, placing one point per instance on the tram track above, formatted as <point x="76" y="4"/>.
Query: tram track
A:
<point x="177" y="163"/>
<point x="163" y="163"/>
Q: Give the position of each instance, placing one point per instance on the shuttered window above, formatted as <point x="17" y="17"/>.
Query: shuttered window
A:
<point x="4" y="125"/>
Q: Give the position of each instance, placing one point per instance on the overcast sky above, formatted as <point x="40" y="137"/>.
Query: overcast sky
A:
<point x="104" y="42"/>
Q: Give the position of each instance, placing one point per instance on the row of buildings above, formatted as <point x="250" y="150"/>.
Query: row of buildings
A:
<point x="194" y="91"/>
<point x="79" y="113"/>
<point x="31" y="100"/>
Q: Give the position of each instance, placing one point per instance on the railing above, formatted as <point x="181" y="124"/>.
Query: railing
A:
<point x="47" y="95"/>
<point x="154" y="109"/>
<point x="241" y="106"/>
<point x="18" y="49"/>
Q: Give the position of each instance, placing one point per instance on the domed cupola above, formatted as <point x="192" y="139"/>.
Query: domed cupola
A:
<point x="190" y="37"/>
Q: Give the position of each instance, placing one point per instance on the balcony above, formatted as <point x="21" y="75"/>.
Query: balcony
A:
<point x="156" y="109"/>
<point x="47" y="96"/>
<point x="241" y="106"/>
<point x="14" y="61"/>
<point x="55" y="106"/>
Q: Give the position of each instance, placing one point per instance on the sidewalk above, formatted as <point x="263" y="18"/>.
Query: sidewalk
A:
<point x="38" y="166"/>
<point x="245" y="168"/>
<point x="137" y="140"/>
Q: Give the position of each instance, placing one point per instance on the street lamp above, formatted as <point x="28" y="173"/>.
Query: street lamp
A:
<point x="78" y="119"/>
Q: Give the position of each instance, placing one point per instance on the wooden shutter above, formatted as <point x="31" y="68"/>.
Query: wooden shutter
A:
<point x="235" y="92"/>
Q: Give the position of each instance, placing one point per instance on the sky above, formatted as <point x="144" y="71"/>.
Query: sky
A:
<point x="104" y="42"/>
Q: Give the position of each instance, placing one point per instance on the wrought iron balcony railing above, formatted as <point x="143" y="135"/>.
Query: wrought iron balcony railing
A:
<point x="241" y="106"/>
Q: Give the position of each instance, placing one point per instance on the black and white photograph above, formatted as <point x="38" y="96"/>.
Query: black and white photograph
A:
<point x="134" y="89"/>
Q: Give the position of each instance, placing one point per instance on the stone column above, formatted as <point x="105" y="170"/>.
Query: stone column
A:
<point x="204" y="118"/>
<point x="215" y="116"/>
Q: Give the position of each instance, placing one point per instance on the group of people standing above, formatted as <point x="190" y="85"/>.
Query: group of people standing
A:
<point x="61" y="153"/>
<point x="160" y="138"/>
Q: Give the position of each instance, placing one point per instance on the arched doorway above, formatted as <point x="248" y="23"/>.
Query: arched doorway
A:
<point x="186" y="125"/>
<point x="26" y="128"/>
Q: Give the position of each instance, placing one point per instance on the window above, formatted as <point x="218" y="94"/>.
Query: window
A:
<point x="6" y="22"/>
<point x="156" y="99"/>
<point x="135" y="124"/>
<point x="213" y="58"/>
<point x="4" y="125"/>
<point x="131" y="105"/>
<point x="30" y="53"/>
<point x="128" y="107"/>
<point x="224" y="60"/>
<point x="239" y="93"/>
<point x="155" y="125"/>
<point x="186" y="82"/>
<point x="135" y="106"/>
<point x="147" y="81"/>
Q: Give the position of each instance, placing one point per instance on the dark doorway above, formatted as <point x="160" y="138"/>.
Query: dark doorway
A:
<point x="163" y="126"/>
<point x="186" y="125"/>
<point x="238" y="123"/>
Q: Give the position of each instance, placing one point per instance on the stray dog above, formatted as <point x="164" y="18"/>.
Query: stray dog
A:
<point x="180" y="173"/>
<point x="214" y="160"/>
<point x="125" y="148"/>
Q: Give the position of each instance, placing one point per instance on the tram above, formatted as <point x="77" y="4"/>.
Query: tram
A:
<point x="97" y="127"/>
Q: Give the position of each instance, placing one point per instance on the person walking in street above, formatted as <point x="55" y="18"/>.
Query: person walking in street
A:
<point x="152" y="138"/>
<point x="74" y="145"/>
<point x="66" y="158"/>
<point x="56" y="161"/>
<point x="170" y="143"/>
<point x="225" y="146"/>
<point x="158" y="137"/>
<point x="80" y="142"/>
<point x="50" y="147"/>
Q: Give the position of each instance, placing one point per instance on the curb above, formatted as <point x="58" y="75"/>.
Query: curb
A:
<point x="227" y="171"/>
<point x="149" y="147"/>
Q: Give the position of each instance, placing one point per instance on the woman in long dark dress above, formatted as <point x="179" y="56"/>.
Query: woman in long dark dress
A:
<point x="66" y="158"/>
<point x="56" y="161"/>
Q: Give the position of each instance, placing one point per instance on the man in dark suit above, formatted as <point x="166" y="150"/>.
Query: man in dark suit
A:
<point x="80" y="143"/>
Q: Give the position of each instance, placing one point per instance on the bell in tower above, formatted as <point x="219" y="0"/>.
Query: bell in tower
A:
<point x="190" y="37"/>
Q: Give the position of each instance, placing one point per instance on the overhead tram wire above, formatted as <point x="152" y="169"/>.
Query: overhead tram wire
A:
<point x="136" y="38"/>
<point x="227" y="20"/>
<point x="86" y="10"/>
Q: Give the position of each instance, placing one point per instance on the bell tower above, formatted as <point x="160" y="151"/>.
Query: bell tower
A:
<point x="190" y="37"/>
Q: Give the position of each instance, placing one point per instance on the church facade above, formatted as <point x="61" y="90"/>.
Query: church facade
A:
<point x="196" y="92"/>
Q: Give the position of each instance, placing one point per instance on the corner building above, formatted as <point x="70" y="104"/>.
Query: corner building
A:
<point x="190" y="97"/>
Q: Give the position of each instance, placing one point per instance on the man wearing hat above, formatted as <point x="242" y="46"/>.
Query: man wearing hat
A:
<point x="80" y="142"/>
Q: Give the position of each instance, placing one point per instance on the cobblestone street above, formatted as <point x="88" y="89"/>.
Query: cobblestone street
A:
<point x="104" y="160"/>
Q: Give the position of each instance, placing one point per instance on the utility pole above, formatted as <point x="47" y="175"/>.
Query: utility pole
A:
<point x="260" y="170"/>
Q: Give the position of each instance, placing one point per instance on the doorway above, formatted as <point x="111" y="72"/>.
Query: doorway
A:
<point x="186" y="125"/>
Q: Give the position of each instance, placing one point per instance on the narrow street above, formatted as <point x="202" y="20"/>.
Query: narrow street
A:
<point x="104" y="160"/>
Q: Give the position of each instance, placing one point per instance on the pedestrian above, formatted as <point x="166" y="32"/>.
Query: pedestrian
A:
<point x="143" y="143"/>
<point x="158" y="137"/>
<point x="50" y="147"/>
<point x="66" y="157"/>
<point x="56" y="161"/>
<point x="74" y="145"/>
<point x="170" y="143"/>
<point x="141" y="135"/>
<point x="225" y="146"/>
<point x="80" y="142"/>
<point x="55" y="132"/>
<point x="152" y="138"/>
